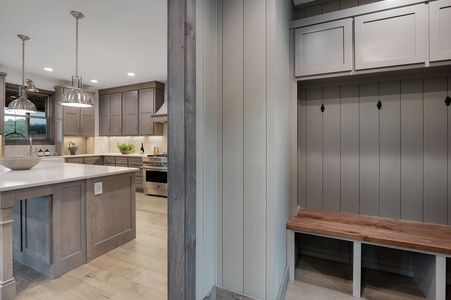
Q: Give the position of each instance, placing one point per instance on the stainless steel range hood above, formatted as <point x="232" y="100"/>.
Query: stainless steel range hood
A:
<point x="161" y="116"/>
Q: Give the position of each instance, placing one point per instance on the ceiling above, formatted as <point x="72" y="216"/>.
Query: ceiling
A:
<point x="115" y="37"/>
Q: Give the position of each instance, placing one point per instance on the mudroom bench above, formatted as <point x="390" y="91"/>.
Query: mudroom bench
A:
<point x="426" y="238"/>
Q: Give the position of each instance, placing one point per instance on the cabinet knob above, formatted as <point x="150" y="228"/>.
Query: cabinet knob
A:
<point x="447" y="101"/>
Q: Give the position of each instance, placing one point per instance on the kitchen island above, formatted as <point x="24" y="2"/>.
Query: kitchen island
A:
<point x="56" y="217"/>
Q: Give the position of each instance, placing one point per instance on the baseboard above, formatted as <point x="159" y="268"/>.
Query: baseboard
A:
<point x="212" y="294"/>
<point x="283" y="285"/>
<point x="223" y="294"/>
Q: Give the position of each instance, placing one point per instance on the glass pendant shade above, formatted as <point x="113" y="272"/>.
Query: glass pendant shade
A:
<point x="75" y="96"/>
<point x="22" y="104"/>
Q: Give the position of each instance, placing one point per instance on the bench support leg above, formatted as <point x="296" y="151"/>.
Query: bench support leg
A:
<point x="357" y="269"/>
<point x="291" y="253"/>
<point x="440" y="277"/>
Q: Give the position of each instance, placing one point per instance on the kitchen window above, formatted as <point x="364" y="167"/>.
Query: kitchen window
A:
<point x="19" y="127"/>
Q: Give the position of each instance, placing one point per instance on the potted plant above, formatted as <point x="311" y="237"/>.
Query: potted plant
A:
<point x="125" y="148"/>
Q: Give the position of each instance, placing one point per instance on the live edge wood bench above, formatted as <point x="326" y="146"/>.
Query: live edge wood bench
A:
<point x="431" y="239"/>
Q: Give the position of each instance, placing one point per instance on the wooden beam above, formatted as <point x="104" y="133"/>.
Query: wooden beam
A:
<point x="182" y="150"/>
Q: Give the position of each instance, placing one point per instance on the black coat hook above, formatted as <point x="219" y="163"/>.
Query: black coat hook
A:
<point x="379" y="104"/>
<point x="447" y="101"/>
<point x="322" y="108"/>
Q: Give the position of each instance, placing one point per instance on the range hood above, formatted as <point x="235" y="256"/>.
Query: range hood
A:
<point x="161" y="116"/>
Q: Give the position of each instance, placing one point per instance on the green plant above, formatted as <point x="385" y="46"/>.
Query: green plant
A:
<point x="125" y="147"/>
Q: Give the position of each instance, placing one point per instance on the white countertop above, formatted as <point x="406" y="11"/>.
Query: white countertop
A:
<point x="107" y="154"/>
<point x="48" y="172"/>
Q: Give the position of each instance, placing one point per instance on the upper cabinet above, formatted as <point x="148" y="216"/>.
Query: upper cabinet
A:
<point x="323" y="48"/>
<point x="391" y="38"/>
<point x="439" y="30"/>
<point x="128" y="110"/>
<point x="77" y="121"/>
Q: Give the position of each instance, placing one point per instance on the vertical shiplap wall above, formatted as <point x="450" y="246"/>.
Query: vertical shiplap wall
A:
<point x="253" y="99"/>
<point x="392" y="162"/>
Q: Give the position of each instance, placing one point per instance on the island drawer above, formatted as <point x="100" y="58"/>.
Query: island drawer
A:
<point x="135" y="161"/>
<point x="109" y="161"/>
<point x="121" y="161"/>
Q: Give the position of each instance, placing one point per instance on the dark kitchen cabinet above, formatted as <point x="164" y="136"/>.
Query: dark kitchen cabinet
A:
<point x="110" y="114"/>
<point x="130" y="113"/>
<point x="149" y="101"/>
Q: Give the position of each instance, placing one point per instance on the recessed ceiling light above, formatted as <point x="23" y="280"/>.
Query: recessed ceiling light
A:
<point x="48" y="69"/>
<point x="131" y="74"/>
<point x="94" y="81"/>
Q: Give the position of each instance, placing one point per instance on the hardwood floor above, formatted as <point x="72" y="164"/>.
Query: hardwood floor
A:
<point x="136" y="270"/>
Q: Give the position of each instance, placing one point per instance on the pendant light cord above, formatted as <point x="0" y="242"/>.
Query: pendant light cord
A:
<point x="76" y="48"/>
<point x="23" y="65"/>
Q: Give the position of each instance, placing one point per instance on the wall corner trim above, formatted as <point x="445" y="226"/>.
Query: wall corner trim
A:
<point x="283" y="285"/>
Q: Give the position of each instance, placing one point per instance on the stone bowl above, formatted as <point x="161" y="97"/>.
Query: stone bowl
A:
<point x="19" y="163"/>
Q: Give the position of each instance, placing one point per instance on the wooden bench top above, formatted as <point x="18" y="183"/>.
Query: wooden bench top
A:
<point x="395" y="232"/>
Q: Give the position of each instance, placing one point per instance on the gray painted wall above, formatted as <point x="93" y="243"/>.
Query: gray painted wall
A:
<point x="392" y="162"/>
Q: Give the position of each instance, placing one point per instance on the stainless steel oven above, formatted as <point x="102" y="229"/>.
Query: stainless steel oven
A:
<point x="155" y="175"/>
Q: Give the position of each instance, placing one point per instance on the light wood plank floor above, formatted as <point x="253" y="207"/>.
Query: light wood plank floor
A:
<point x="136" y="270"/>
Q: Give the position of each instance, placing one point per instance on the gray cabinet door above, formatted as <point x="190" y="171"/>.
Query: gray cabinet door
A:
<point x="71" y="120"/>
<point x="87" y="118"/>
<point x="323" y="48"/>
<point x="146" y="109"/>
<point x="439" y="30"/>
<point x="105" y="115"/>
<point x="130" y="113"/>
<point x="116" y="114"/>
<point x="391" y="38"/>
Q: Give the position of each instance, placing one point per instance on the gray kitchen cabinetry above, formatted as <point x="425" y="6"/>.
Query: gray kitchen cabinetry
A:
<point x="74" y="160"/>
<point x="439" y="27"/>
<point x="110" y="114"/>
<point x="149" y="101"/>
<point x="109" y="161"/>
<point x="137" y="162"/>
<point x="93" y="160"/>
<point x="391" y="38"/>
<point x="130" y="113"/>
<point x="324" y="48"/>
<point x="77" y="121"/>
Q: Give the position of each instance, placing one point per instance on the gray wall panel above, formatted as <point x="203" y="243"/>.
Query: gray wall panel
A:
<point x="350" y="149"/>
<point x="233" y="161"/>
<point x="412" y="149"/>
<point x="369" y="149"/>
<point x="390" y="149"/>
<point x="302" y="127"/>
<point x="449" y="152"/>
<point x="314" y="148"/>
<point x="435" y="151"/>
<point x="331" y="148"/>
<point x="254" y="148"/>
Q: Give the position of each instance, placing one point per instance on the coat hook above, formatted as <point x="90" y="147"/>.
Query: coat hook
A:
<point x="447" y="101"/>
<point x="379" y="104"/>
<point x="322" y="108"/>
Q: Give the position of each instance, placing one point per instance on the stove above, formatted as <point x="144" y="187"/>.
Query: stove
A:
<point x="155" y="178"/>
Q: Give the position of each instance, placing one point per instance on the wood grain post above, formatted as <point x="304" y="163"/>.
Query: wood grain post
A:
<point x="182" y="150"/>
<point x="7" y="282"/>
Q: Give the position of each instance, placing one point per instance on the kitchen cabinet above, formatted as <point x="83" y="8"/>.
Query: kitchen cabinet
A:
<point x="110" y="114"/>
<point x="130" y="113"/>
<point x="149" y="101"/>
<point x="324" y="48"/>
<point x="93" y="160"/>
<point x="128" y="110"/>
<point x="439" y="27"/>
<point x="77" y="121"/>
<point x="74" y="160"/>
<point x="391" y="38"/>
<point x="137" y="162"/>
<point x="109" y="161"/>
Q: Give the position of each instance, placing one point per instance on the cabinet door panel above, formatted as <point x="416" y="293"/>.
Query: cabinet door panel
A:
<point x="87" y="121"/>
<point x="439" y="33"/>
<point x="390" y="38"/>
<point x="105" y="115"/>
<point x="323" y="48"/>
<point x="146" y="109"/>
<point x="130" y="113"/>
<point x="116" y="114"/>
<point x="71" y="120"/>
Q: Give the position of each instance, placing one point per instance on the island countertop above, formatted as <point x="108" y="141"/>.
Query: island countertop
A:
<point x="47" y="172"/>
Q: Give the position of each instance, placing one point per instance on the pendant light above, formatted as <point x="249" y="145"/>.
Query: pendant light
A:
<point x="75" y="96"/>
<point x="22" y="104"/>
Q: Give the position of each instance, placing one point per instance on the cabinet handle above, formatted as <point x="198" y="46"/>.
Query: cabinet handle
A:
<point x="447" y="101"/>
<point x="322" y="108"/>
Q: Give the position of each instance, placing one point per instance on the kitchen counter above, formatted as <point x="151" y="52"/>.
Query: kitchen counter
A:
<point x="48" y="172"/>
<point x="108" y="154"/>
<point x="56" y="217"/>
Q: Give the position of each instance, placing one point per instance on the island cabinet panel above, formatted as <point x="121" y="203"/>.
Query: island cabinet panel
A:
<point x="324" y="48"/>
<point x="439" y="26"/>
<point x="130" y="113"/>
<point x="391" y="38"/>
<point x="111" y="219"/>
<point x="69" y="227"/>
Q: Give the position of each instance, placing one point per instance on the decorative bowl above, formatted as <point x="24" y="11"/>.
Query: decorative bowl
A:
<point x="126" y="151"/>
<point x="19" y="163"/>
